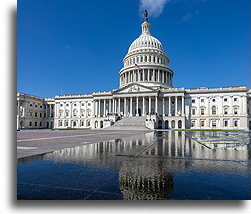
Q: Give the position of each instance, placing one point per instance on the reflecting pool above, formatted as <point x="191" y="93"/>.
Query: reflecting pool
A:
<point x="153" y="166"/>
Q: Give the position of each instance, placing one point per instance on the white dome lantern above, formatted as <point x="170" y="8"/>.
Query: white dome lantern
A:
<point x="146" y="62"/>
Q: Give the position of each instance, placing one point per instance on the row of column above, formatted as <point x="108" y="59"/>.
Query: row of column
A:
<point x="114" y="106"/>
<point x="154" y="75"/>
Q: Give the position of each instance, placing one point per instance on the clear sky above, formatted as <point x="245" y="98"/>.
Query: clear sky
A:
<point x="77" y="46"/>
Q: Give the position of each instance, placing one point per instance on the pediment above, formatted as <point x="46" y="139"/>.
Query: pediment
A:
<point x="134" y="88"/>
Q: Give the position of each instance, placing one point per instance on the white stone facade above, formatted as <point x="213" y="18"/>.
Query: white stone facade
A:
<point x="146" y="90"/>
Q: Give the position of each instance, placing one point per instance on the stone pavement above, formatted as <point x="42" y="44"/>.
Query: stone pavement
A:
<point x="33" y="142"/>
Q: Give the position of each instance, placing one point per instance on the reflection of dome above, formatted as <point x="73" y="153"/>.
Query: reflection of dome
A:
<point x="145" y="181"/>
<point x="146" y="62"/>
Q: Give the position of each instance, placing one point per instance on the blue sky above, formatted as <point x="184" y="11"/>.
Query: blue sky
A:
<point x="77" y="46"/>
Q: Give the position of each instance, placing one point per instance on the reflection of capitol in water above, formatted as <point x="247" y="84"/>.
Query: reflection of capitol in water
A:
<point x="146" y="163"/>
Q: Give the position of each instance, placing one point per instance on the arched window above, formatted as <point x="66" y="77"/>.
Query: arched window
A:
<point x="75" y="112"/>
<point x="213" y="110"/>
<point x="67" y="113"/>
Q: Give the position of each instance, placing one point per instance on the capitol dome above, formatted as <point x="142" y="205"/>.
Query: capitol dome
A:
<point x="146" y="62"/>
<point x="145" y="41"/>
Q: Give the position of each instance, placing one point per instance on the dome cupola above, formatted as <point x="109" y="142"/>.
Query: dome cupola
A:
<point x="146" y="62"/>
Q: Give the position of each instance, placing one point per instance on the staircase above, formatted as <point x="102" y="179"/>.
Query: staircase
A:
<point x="129" y="123"/>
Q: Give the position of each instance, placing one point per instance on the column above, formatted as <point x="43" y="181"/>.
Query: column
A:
<point x="176" y="105"/>
<point x="98" y="108"/>
<point x="125" y="110"/>
<point x="156" y="104"/>
<point x="70" y="110"/>
<point x="163" y="79"/>
<point x="167" y="80"/>
<point x="244" y="101"/>
<point x="130" y="106"/>
<point x="198" y="106"/>
<point x="79" y="108"/>
<point x="110" y="106"/>
<point x="154" y="75"/>
<point x="104" y="107"/>
<point x="143" y="113"/>
<point x="137" y="106"/>
<point x="49" y="110"/>
<point x="138" y="76"/>
<point x="150" y="105"/>
<point x="183" y="106"/>
<point x="115" y="105"/>
<point x="231" y="105"/>
<point x="119" y="106"/>
<point x="148" y="74"/>
<point x="143" y="74"/>
<point x="163" y="106"/>
<point x="169" y="107"/>
<point x="158" y="77"/>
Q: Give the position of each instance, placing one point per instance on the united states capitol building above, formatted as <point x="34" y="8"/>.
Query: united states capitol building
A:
<point x="146" y="99"/>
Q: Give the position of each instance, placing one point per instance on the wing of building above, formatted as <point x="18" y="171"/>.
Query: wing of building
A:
<point x="146" y="99"/>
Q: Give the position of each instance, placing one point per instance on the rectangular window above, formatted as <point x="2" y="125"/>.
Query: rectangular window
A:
<point x="193" y="101"/>
<point x="35" y="123"/>
<point x="202" y="123"/>
<point x="226" y="123"/>
<point x="202" y="111"/>
<point x="213" y="123"/>
<point x="192" y="123"/>
<point x="225" y="99"/>
<point x="30" y="123"/>
<point x="202" y="100"/>
<point x="236" y="123"/>
<point x="235" y="99"/>
<point x="235" y="110"/>
<point x="225" y="111"/>
<point x="193" y="112"/>
<point x="35" y="114"/>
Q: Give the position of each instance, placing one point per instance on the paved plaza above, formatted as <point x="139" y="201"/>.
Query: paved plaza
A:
<point x="33" y="142"/>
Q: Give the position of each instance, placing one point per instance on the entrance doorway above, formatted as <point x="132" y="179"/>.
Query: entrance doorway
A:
<point x="160" y="124"/>
<point x="166" y="124"/>
<point x="139" y="110"/>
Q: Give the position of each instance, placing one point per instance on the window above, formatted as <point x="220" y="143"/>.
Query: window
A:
<point x="31" y="114"/>
<point x="89" y="104"/>
<point x="236" y="123"/>
<point x="213" y="123"/>
<point x="225" y="110"/>
<point x="75" y="104"/>
<point x="82" y="112"/>
<point x="83" y="104"/>
<point x="66" y="123"/>
<point x="60" y="123"/>
<point x="226" y="123"/>
<point x="202" y="100"/>
<point x="74" y="112"/>
<point x="67" y="104"/>
<point x="213" y="100"/>
<point x="88" y="123"/>
<point x="35" y="114"/>
<point x="193" y="111"/>
<point x="235" y="99"/>
<point x="40" y="106"/>
<point x="214" y="110"/>
<point x="35" y="123"/>
<point x="225" y="99"/>
<point x="202" y="111"/>
<point x="192" y="123"/>
<point x="30" y="105"/>
<point x="40" y="124"/>
<point x="61" y="104"/>
<point x="30" y="123"/>
<point x="60" y="113"/>
<point x="36" y="106"/>
<point x="82" y="123"/>
<point x="67" y="113"/>
<point x="235" y="110"/>
<point x="202" y="123"/>
<point x="193" y="101"/>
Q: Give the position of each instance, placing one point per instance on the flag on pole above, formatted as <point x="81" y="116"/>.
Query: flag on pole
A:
<point x="138" y="67"/>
